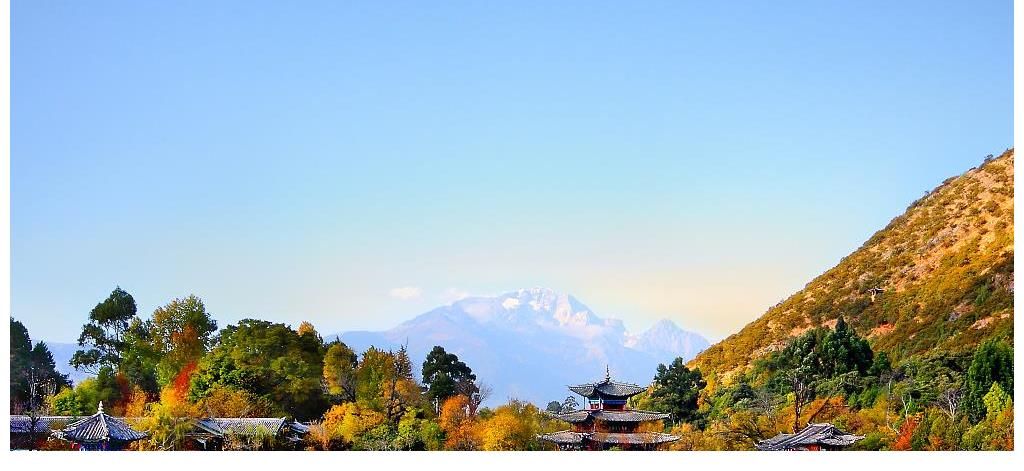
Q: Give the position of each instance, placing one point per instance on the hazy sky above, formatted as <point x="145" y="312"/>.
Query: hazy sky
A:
<point x="357" y="163"/>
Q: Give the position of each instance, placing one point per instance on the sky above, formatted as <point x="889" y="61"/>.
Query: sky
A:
<point x="355" y="164"/>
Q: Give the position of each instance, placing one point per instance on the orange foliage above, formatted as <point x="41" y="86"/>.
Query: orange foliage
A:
<point x="458" y="424"/>
<point x="902" y="442"/>
<point x="135" y="403"/>
<point x="180" y="385"/>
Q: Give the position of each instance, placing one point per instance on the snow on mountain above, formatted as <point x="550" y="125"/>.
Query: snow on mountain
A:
<point x="531" y="343"/>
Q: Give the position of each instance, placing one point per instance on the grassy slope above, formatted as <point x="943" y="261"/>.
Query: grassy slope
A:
<point x="946" y="266"/>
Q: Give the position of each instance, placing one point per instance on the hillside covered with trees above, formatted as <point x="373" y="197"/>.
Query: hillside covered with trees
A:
<point x="938" y="278"/>
<point x="908" y="340"/>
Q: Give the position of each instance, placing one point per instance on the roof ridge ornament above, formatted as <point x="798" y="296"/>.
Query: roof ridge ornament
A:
<point x="607" y="373"/>
<point x="99" y="409"/>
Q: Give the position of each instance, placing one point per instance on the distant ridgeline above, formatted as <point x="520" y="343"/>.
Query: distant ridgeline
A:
<point x="937" y="280"/>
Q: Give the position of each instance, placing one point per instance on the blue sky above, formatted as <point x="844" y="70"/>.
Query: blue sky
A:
<point x="357" y="163"/>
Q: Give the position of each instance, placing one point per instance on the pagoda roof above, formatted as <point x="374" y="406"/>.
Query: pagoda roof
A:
<point x="636" y="438"/>
<point x="610" y="415"/>
<point x="607" y="387"/>
<point x="23" y="423"/>
<point x="221" y="426"/>
<point x="812" y="434"/>
<point x="565" y="437"/>
<point x="97" y="428"/>
<point x="568" y="437"/>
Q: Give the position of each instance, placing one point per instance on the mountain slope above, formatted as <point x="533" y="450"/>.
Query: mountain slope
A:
<point x="529" y="344"/>
<point x="946" y="268"/>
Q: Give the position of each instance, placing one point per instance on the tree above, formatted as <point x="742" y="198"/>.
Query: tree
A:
<point x="223" y="401"/>
<point x="445" y="376"/>
<point x="34" y="374"/>
<point x="306" y="328"/>
<point x="676" y="390"/>
<point x="340" y="371"/>
<point x="140" y="358"/>
<point x="458" y="424"/>
<point x="384" y="383"/>
<point x="21" y="357"/>
<point x="269" y="360"/>
<point x="554" y="407"/>
<point x="181" y="332"/>
<point x="514" y="426"/>
<point x="85" y="397"/>
<point x="842" y="351"/>
<point x="992" y="363"/>
<point x="103" y="336"/>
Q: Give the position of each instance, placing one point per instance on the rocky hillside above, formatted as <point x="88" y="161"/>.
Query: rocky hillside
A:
<point x="938" y="277"/>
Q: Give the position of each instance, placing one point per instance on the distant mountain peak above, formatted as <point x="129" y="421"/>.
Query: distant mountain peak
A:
<point x="511" y="341"/>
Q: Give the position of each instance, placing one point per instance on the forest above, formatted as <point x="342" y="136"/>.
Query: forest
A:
<point x="177" y="366"/>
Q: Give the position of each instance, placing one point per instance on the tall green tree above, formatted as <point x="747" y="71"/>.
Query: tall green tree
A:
<point x="21" y="356"/>
<point x="843" y="351"/>
<point x="676" y="390"/>
<point x="140" y="358"/>
<point x="102" y="338"/>
<point x="269" y="360"/>
<point x="445" y="376"/>
<point x="340" y="371"/>
<point x="181" y="332"/>
<point x="33" y="372"/>
<point x="992" y="363"/>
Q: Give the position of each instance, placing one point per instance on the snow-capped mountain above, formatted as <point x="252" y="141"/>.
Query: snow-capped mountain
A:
<point x="666" y="339"/>
<point x="531" y="343"/>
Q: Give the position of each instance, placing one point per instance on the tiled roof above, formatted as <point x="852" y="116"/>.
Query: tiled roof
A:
<point x="240" y="426"/>
<point x="637" y="438"/>
<point x="610" y="416"/>
<point x="608" y="387"/>
<point x="567" y="437"/>
<point x="23" y="423"/>
<point x="813" y="434"/>
<point x="98" y="427"/>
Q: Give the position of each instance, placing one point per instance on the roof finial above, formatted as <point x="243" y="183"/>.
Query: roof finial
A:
<point x="99" y="410"/>
<point x="607" y="372"/>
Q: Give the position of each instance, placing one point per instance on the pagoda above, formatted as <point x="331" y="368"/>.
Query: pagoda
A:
<point x="606" y="421"/>
<point x="99" y="432"/>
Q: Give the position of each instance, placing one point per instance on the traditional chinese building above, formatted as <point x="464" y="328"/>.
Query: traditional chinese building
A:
<point x="218" y="433"/>
<point x="814" y="437"/>
<point x="99" y="432"/>
<point x="606" y="420"/>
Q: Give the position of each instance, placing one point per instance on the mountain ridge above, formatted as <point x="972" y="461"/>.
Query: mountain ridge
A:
<point x="939" y="277"/>
<point x="513" y="340"/>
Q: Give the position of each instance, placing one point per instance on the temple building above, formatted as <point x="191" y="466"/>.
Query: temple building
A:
<point x="607" y="421"/>
<point x="99" y="432"/>
<point x="104" y="432"/>
<point x="814" y="437"/>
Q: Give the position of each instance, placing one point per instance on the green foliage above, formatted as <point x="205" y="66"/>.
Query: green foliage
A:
<point x="181" y="332"/>
<point x="676" y="389"/>
<point x="103" y="336"/>
<point x="992" y="364"/>
<point x="996" y="401"/>
<point x="445" y="375"/>
<point x="340" y="371"/>
<point x="85" y="397"/>
<point x="269" y="360"/>
<point x="33" y="371"/>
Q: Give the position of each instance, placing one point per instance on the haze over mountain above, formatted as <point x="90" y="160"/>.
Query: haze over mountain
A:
<point x="531" y="343"/>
